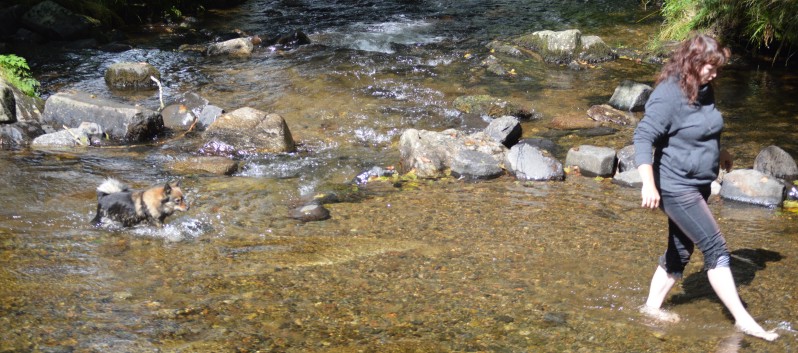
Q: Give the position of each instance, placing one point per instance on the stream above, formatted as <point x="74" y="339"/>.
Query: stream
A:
<point x="406" y="265"/>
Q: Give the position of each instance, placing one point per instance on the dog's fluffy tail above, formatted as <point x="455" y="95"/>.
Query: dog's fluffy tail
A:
<point x="110" y="186"/>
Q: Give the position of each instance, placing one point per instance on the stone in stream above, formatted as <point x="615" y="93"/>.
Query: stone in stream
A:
<point x="309" y="213"/>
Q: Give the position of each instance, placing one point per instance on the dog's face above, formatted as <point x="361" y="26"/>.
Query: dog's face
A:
<point x="173" y="199"/>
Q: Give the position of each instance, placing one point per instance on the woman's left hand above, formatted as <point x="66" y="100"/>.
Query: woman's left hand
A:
<point x="726" y="160"/>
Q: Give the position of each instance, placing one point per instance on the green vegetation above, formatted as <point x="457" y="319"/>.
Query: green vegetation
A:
<point x="16" y="71"/>
<point x="766" y="26"/>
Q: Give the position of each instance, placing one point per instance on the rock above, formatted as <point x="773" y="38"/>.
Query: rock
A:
<point x="56" y="22"/>
<point x="131" y="76"/>
<point x="9" y="19"/>
<point x="293" y="40"/>
<point x="555" y="47"/>
<point x="373" y="173"/>
<point x="629" y="178"/>
<point x="86" y="134"/>
<point x="121" y="122"/>
<point x="250" y="130"/>
<point x="492" y="65"/>
<point x="493" y="107"/>
<point x="572" y="122"/>
<point x="596" y="131"/>
<point x="607" y="114"/>
<point x="205" y="164"/>
<point x="774" y="161"/>
<point x="752" y="186"/>
<point x="12" y="138"/>
<point x="594" y="50"/>
<point x="310" y="213"/>
<point x="232" y="47"/>
<point x="504" y="48"/>
<point x="177" y="117"/>
<point x="505" y="130"/>
<point x="199" y="107"/>
<point x="528" y="162"/>
<point x="429" y="154"/>
<point x="630" y="96"/>
<point x="8" y="104"/>
<point x="626" y="159"/>
<point x="475" y="165"/>
<point x="542" y="144"/>
<point x="592" y="160"/>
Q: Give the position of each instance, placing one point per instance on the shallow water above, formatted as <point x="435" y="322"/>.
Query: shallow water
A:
<point x="403" y="265"/>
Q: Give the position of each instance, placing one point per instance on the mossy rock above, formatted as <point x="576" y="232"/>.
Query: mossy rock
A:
<point x="131" y="76"/>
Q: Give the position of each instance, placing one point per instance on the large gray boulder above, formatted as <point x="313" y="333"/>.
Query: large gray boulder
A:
<point x="431" y="154"/>
<point x="527" y="161"/>
<point x="592" y="160"/>
<point x="122" y="122"/>
<point x="56" y="22"/>
<point x="774" y="161"/>
<point x="752" y="186"/>
<point x="249" y="130"/>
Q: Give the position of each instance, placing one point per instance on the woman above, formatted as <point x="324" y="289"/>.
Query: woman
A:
<point x="681" y="121"/>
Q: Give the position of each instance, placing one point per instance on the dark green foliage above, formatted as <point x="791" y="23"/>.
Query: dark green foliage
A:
<point x="15" y="70"/>
<point x="770" y="26"/>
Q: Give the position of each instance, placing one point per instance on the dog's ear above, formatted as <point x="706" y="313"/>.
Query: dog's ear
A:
<point x="176" y="184"/>
<point x="167" y="189"/>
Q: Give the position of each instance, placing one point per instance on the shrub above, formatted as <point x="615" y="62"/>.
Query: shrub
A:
<point x="769" y="25"/>
<point x="17" y="72"/>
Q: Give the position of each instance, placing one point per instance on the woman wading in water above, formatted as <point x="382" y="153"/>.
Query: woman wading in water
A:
<point x="684" y="126"/>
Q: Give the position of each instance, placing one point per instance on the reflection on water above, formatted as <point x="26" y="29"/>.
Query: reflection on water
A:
<point x="403" y="265"/>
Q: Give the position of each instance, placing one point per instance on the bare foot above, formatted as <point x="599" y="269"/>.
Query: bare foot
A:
<point x="757" y="331"/>
<point x="659" y="314"/>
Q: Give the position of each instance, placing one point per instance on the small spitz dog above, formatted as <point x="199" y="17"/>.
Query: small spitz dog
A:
<point x="116" y="202"/>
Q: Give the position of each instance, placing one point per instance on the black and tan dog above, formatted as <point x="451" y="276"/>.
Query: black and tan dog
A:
<point x="118" y="203"/>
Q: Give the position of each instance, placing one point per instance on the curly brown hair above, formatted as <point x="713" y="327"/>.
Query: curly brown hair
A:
<point x="687" y="60"/>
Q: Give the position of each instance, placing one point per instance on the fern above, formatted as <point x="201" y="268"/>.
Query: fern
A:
<point x="17" y="72"/>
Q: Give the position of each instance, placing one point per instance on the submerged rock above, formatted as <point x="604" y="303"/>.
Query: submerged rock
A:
<point x="310" y="213"/>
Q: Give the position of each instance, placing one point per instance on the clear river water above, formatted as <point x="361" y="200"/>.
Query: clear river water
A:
<point x="405" y="266"/>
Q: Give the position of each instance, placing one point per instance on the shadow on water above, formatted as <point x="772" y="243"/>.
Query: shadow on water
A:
<point x="744" y="265"/>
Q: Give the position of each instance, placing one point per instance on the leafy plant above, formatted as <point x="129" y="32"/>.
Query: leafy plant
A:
<point x="17" y="72"/>
<point x="769" y="25"/>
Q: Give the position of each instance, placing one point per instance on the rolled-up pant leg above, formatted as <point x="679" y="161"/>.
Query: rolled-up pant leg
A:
<point x="690" y="225"/>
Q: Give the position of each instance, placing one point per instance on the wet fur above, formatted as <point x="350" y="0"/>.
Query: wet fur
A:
<point x="118" y="203"/>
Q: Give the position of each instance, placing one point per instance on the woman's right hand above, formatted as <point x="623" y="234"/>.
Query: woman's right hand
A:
<point x="650" y="196"/>
<point x="649" y="192"/>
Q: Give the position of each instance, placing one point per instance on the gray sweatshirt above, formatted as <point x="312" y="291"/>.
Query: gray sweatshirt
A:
<point x="686" y="137"/>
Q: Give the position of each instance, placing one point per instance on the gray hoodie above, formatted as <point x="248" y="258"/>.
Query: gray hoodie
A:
<point x="686" y="137"/>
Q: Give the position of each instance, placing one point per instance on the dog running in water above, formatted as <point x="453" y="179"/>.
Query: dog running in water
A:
<point x="118" y="203"/>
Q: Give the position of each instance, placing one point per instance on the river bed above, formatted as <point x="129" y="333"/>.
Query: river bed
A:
<point x="402" y="265"/>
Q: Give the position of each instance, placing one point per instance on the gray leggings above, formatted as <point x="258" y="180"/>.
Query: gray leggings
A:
<point x="690" y="224"/>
